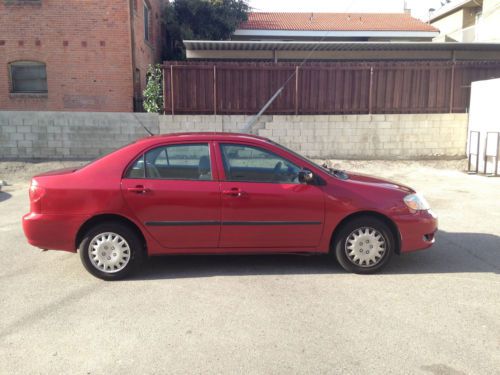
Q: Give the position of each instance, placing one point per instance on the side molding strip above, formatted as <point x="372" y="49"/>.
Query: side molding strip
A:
<point x="179" y="223"/>
<point x="271" y="223"/>
<point x="228" y="223"/>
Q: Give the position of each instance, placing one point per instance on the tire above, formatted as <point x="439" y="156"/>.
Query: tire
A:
<point x="111" y="251"/>
<point x="355" y="254"/>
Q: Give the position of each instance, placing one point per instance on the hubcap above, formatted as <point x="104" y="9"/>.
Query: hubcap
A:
<point x="365" y="247"/>
<point x="109" y="252"/>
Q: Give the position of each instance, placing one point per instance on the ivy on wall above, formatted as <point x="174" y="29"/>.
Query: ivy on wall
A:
<point x="153" y="93"/>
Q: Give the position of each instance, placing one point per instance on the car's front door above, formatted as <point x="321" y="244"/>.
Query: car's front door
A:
<point x="172" y="190"/>
<point x="263" y="203"/>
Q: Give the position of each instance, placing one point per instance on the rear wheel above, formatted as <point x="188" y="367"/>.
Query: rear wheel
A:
<point x="110" y="251"/>
<point x="364" y="245"/>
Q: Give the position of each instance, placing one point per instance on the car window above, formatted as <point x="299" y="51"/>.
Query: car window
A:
<point x="254" y="164"/>
<point x="174" y="162"/>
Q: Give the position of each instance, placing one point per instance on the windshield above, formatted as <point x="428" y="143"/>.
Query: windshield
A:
<point x="331" y="171"/>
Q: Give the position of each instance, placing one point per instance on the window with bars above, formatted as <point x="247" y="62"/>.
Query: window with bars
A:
<point x="28" y="77"/>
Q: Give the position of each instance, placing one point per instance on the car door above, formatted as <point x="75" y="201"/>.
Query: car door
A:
<point x="263" y="203"/>
<point x="173" y="192"/>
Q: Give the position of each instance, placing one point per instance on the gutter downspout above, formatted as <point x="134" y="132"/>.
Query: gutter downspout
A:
<point x="132" y="46"/>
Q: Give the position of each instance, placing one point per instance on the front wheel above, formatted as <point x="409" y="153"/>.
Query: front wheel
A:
<point x="364" y="245"/>
<point x="110" y="251"/>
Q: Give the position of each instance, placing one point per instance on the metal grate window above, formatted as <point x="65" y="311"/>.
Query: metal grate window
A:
<point x="28" y="77"/>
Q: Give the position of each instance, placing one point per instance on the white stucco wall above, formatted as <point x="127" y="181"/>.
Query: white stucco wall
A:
<point x="489" y="25"/>
<point x="484" y="117"/>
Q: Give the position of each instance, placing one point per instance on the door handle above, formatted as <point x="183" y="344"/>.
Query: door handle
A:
<point x="234" y="192"/>
<point x="139" y="189"/>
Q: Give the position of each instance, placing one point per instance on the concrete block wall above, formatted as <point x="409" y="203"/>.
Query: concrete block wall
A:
<point x="69" y="135"/>
<point x="394" y="136"/>
<point x="204" y="123"/>
<point x="83" y="135"/>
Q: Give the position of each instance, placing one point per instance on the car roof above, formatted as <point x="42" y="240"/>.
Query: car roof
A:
<point x="206" y="136"/>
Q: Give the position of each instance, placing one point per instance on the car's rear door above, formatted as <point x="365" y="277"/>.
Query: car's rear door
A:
<point x="173" y="191"/>
<point x="263" y="203"/>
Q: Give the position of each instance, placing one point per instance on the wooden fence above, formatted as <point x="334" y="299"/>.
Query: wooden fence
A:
<point x="323" y="88"/>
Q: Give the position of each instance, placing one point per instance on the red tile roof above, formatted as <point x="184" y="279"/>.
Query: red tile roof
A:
<point x="335" y="22"/>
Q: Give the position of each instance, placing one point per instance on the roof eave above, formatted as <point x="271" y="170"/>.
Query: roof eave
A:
<point x="308" y="45"/>
<point x="448" y="9"/>
<point x="337" y="33"/>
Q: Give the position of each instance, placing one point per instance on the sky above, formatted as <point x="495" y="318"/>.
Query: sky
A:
<point x="420" y="8"/>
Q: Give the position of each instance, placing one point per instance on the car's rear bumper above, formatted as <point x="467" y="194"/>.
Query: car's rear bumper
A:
<point x="55" y="232"/>
<point x="417" y="230"/>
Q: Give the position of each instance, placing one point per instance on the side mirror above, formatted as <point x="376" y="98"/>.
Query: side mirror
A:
<point x="306" y="176"/>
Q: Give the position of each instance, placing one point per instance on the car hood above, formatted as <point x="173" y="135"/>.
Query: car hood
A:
<point x="367" y="180"/>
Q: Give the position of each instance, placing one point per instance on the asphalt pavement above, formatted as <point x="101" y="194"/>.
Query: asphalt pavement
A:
<point x="430" y="312"/>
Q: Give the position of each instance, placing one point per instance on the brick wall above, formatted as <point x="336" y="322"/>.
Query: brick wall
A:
<point x="146" y="52"/>
<point x="86" y="46"/>
<point x="66" y="135"/>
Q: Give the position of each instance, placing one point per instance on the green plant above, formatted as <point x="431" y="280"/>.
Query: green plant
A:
<point x="153" y="94"/>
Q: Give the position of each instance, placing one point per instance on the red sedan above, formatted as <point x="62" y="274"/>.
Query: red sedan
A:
<point x="220" y="193"/>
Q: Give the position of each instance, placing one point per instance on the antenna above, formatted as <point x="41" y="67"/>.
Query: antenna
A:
<point x="144" y="126"/>
<point x="254" y="119"/>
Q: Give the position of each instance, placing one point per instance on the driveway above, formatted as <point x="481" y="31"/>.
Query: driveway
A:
<point x="431" y="312"/>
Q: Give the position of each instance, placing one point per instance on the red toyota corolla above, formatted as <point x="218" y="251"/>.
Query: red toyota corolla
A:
<point x="220" y="193"/>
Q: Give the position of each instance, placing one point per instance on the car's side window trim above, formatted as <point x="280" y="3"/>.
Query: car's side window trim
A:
<point x="213" y="175"/>
<point x="259" y="148"/>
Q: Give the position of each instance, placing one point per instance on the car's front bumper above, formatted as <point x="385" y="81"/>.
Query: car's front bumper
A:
<point x="417" y="230"/>
<point x="50" y="231"/>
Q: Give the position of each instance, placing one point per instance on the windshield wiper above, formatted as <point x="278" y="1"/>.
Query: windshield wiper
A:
<point x="336" y="172"/>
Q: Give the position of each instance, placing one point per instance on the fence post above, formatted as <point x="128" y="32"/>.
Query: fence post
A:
<point x="172" y="88"/>
<point x="452" y="84"/>
<point x="296" y="90"/>
<point x="215" y="90"/>
<point x="370" y="94"/>
<point x="164" y="89"/>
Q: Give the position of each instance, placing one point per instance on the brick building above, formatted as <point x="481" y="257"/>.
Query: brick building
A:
<point x="74" y="55"/>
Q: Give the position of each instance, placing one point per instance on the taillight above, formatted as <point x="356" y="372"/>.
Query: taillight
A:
<point x="36" y="194"/>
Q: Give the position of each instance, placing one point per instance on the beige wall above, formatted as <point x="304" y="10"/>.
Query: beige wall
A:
<point x="450" y="26"/>
<point x="489" y="28"/>
<point x="461" y="26"/>
<point x="394" y="136"/>
<point x="84" y="135"/>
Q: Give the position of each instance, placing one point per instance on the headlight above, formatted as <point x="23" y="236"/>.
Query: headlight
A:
<point x="416" y="202"/>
